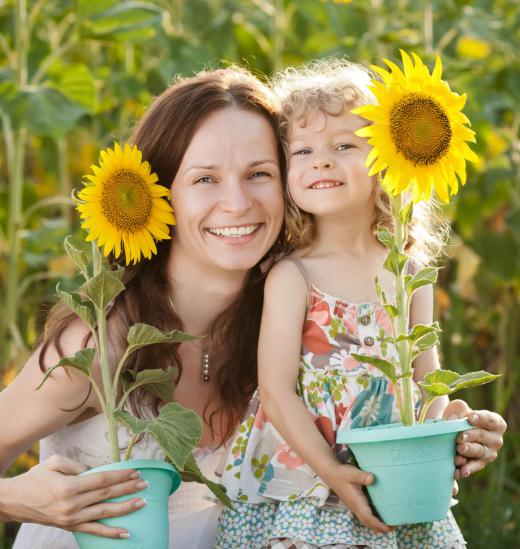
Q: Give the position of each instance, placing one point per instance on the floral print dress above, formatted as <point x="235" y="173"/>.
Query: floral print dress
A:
<point x="278" y="496"/>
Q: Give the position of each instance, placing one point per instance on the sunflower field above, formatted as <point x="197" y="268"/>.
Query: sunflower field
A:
<point x="76" y="74"/>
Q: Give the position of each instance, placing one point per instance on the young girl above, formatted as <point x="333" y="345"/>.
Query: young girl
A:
<point x="292" y="485"/>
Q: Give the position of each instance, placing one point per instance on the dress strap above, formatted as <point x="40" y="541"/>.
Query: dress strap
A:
<point x="299" y="265"/>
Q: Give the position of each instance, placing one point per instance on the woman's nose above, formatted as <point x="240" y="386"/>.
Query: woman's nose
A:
<point x="236" y="199"/>
<point x="322" y="163"/>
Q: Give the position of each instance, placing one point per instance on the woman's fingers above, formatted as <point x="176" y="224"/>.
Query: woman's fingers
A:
<point x="107" y="510"/>
<point x="99" y="529"/>
<point x="105" y="479"/>
<point x="97" y="495"/>
<point x="64" y="465"/>
<point x="489" y="421"/>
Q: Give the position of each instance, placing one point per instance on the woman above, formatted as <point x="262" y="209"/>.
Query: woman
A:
<point x="216" y="137"/>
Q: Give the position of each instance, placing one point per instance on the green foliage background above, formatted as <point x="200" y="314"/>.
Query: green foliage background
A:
<point x="74" y="76"/>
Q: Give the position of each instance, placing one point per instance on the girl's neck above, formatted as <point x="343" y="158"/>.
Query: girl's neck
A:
<point x="348" y="233"/>
<point x="199" y="293"/>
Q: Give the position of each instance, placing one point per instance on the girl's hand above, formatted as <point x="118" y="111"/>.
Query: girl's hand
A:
<point x="348" y="487"/>
<point x="51" y="493"/>
<point x="480" y="446"/>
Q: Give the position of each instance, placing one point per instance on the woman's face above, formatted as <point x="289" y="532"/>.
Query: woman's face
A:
<point x="227" y="194"/>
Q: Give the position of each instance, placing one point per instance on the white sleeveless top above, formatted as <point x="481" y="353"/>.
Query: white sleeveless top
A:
<point x="193" y="518"/>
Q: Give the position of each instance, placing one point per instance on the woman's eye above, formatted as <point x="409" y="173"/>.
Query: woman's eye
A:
<point x="257" y="175"/>
<point x="344" y="147"/>
<point x="205" y="179"/>
<point x="301" y="152"/>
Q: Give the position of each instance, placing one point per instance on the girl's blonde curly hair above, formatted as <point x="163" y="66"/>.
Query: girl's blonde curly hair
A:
<point x="331" y="86"/>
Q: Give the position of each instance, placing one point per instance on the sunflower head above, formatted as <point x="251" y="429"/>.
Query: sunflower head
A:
<point x="418" y="132"/>
<point x="123" y="207"/>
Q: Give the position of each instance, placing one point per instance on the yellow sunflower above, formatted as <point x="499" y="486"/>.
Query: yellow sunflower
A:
<point x="418" y="133"/>
<point x="121" y="204"/>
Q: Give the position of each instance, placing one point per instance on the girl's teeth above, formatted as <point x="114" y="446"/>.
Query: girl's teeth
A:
<point x="325" y="185"/>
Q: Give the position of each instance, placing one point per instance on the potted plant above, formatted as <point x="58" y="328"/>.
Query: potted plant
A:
<point x="418" y="137"/>
<point x="123" y="209"/>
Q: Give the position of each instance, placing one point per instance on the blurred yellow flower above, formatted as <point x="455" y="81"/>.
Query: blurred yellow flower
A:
<point x="418" y="132"/>
<point x="473" y="48"/>
<point x="122" y="206"/>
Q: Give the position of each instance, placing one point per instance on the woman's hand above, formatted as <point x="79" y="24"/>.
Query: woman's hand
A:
<point x="480" y="446"/>
<point x="348" y="486"/>
<point x="51" y="493"/>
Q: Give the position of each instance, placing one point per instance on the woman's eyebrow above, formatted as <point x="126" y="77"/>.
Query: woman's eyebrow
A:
<point x="263" y="161"/>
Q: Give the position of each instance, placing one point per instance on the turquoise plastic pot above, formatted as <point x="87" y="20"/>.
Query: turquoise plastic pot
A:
<point x="148" y="526"/>
<point x="413" y="467"/>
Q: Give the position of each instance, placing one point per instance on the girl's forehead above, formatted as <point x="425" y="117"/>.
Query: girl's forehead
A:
<point x="320" y="121"/>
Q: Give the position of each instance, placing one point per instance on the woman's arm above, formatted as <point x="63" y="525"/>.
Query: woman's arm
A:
<point x="51" y="493"/>
<point x="285" y="304"/>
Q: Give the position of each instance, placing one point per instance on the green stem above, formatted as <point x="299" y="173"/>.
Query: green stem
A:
<point x="425" y="409"/>
<point x="402" y="304"/>
<point x="108" y="388"/>
<point x="63" y="178"/>
<point x="131" y="444"/>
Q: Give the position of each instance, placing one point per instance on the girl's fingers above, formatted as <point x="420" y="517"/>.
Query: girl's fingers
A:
<point x="107" y="492"/>
<point x="365" y="515"/>
<point x="105" y="479"/>
<point x="357" y="476"/>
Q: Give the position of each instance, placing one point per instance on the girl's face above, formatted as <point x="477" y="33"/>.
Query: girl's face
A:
<point x="227" y="194"/>
<point x="327" y="173"/>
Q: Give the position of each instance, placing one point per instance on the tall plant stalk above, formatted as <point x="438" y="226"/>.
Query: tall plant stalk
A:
<point x="403" y="306"/>
<point x="16" y="160"/>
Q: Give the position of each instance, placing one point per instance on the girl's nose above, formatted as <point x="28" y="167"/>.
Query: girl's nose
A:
<point x="322" y="163"/>
<point x="236" y="199"/>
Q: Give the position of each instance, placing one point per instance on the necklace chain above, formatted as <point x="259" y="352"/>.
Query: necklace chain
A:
<point x="204" y="348"/>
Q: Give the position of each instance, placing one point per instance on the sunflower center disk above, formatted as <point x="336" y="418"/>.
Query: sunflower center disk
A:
<point x="420" y="129"/>
<point x="126" y="200"/>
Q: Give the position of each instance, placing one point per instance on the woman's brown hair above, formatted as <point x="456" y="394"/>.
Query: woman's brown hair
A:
<point x="163" y="135"/>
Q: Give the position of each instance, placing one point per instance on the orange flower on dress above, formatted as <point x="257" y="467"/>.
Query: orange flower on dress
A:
<point x="287" y="457"/>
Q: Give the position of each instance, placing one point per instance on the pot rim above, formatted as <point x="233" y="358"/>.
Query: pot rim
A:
<point x="393" y="431"/>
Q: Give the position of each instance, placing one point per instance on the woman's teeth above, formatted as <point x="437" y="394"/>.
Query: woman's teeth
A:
<point x="326" y="184"/>
<point x="234" y="232"/>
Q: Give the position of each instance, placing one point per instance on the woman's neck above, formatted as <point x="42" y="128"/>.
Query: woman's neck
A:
<point x="200" y="294"/>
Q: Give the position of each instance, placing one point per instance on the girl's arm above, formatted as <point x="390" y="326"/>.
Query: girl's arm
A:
<point x="285" y="304"/>
<point x="421" y="312"/>
<point x="51" y="493"/>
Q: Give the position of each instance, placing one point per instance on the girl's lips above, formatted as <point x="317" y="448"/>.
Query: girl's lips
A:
<point x="325" y="184"/>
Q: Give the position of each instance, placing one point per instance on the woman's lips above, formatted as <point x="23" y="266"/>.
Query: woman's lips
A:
<point x="236" y="234"/>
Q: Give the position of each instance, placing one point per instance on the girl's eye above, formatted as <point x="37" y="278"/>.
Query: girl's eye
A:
<point x="301" y="152"/>
<point x="205" y="179"/>
<point x="344" y="147"/>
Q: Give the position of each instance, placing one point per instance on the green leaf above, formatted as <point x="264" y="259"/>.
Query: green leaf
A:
<point x="391" y="310"/>
<point x="406" y="213"/>
<point x="426" y="342"/>
<point x="386" y="367"/>
<point x="159" y="382"/>
<point x="176" y="429"/>
<point x="82" y="361"/>
<point x="127" y="21"/>
<point x="48" y="112"/>
<point x="78" y="256"/>
<point x="73" y="301"/>
<point x="420" y="330"/>
<point x="103" y="288"/>
<point x="76" y="82"/>
<point x="192" y="473"/>
<point x="395" y="261"/>
<point x="385" y="236"/>
<point x="423" y="277"/>
<point x="446" y="382"/>
<point x="140" y="335"/>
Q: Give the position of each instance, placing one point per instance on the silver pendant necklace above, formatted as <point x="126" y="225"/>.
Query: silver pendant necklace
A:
<point x="205" y="352"/>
